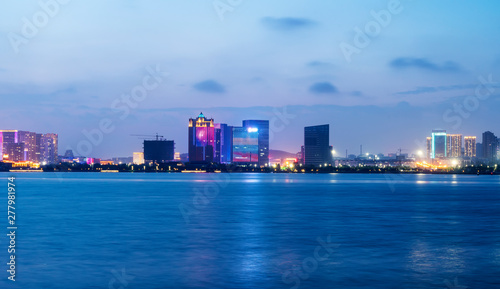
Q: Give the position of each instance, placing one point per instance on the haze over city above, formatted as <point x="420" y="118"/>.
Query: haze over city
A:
<point x="255" y="61"/>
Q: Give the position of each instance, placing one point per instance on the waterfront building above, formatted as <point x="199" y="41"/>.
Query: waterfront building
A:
<point x="158" y="151"/>
<point x="262" y="126"/>
<point x="453" y="145"/>
<point x="438" y="143"/>
<point x="223" y="143"/>
<point x="470" y="146"/>
<point x="490" y="144"/>
<point x="201" y="139"/>
<point x="317" y="145"/>
<point x="138" y="158"/>
<point x="245" y="145"/>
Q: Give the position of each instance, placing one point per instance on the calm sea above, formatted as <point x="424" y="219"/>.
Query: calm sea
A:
<point x="98" y="230"/>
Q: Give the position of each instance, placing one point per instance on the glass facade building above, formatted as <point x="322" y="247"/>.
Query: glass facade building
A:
<point x="317" y="145"/>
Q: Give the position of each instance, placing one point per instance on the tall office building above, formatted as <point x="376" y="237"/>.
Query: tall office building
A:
<point x="201" y="139"/>
<point x="429" y="147"/>
<point x="317" y="145"/>
<point x="245" y="145"/>
<point x="158" y="151"/>
<point x="438" y="143"/>
<point x="223" y="143"/>
<point x="470" y="146"/>
<point x="453" y="145"/>
<point x="263" y="128"/>
<point x="490" y="143"/>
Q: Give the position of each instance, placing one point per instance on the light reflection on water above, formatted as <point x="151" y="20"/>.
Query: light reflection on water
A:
<point x="414" y="232"/>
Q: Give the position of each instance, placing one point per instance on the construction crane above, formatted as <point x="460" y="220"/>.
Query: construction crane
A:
<point x="400" y="157"/>
<point x="148" y="136"/>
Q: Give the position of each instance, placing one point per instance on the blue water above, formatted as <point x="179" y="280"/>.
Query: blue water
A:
<point x="97" y="230"/>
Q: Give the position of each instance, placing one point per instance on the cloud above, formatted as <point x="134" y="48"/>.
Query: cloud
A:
<point x="422" y="63"/>
<point x="319" y="64"/>
<point x="431" y="89"/>
<point x="323" y="88"/>
<point x="210" y="86"/>
<point x="287" y="23"/>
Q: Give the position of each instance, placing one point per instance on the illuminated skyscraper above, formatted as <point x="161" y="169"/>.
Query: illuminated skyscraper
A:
<point x="223" y="143"/>
<point x="317" y="145"/>
<point x="245" y="145"/>
<point x="49" y="148"/>
<point x="201" y="139"/>
<point x="453" y="145"/>
<point x="470" y="146"/>
<point x="30" y="147"/>
<point x="263" y="128"/>
<point x="438" y="143"/>
<point x="8" y="138"/>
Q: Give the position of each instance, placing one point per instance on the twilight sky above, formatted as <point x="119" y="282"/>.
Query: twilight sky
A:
<point x="128" y="67"/>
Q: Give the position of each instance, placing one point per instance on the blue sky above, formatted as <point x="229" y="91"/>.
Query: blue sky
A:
<point x="256" y="58"/>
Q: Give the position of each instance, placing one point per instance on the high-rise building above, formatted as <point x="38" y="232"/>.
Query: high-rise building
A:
<point x="201" y="139"/>
<point x="317" y="145"/>
<point x="138" y="158"/>
<point x="30" y="147"/>
<point x="49" y="143"/>
<point x="470" y="146"/>
<point x="245" y="145"/>
<point x="263" y="128"/>
<point x="14" y="152"/>
<point x="429" y="147"/>
<point x="158" y="151"/>
<point x="223" y="143"/>
<point x="479" y="150"/>
<point x="8" y="138"/>
<point x="490" y="143"/>
<point x="438" y="143"/>
<point x="453" y="145"/>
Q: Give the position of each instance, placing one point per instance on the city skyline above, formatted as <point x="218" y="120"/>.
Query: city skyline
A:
<point x="257" y="59"/>
<point x="213" y="146"/>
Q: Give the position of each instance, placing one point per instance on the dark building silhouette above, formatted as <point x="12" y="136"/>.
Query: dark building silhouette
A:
<point x="490" y="143"/>
<point x="201" y="139"/>
<point x="317" y="145"/>
<point x="158" y="151"/>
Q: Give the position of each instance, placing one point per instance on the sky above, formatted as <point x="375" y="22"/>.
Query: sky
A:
<point x="383" y="74"/>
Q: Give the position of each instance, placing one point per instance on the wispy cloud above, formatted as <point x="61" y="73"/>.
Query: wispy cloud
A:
<point x="287" y="23"/>
<point x="319" y="64"/>
<point x="210" y="86"/>
<point x="423" y="63"/>
<point x="323" y="88"/>
<point x="431" y="89"/>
